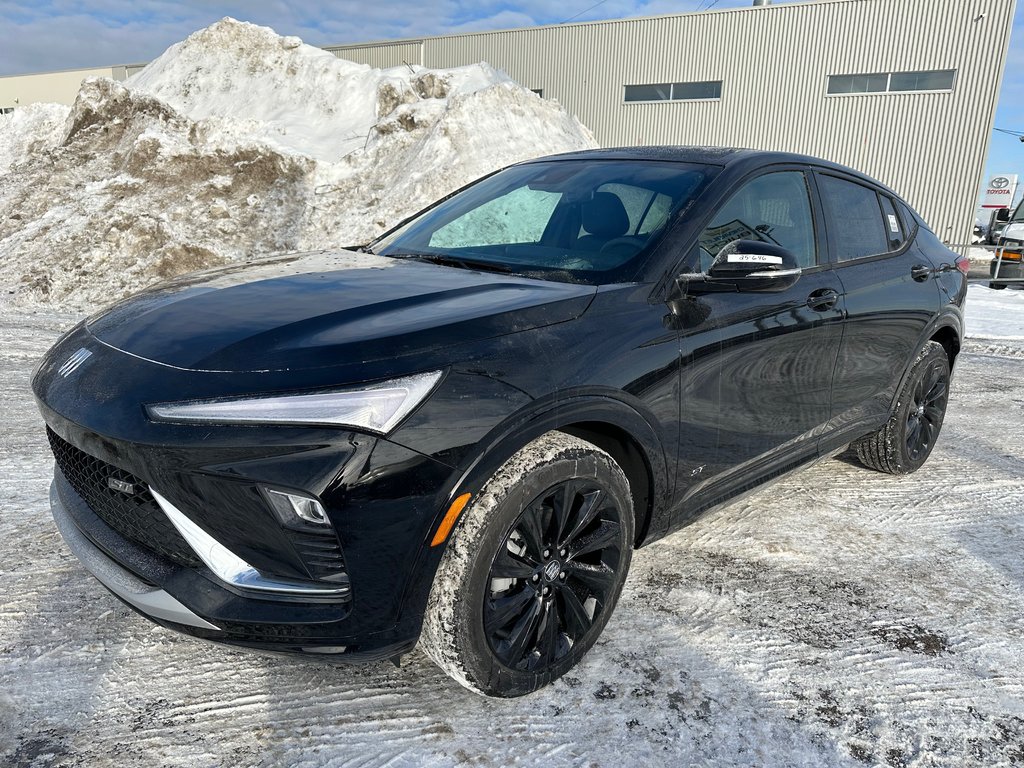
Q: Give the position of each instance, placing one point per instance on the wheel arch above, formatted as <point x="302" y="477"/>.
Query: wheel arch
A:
<point x="612" y="425"/>
<point x="948" y="337"/>
<point x="946" y="330"/>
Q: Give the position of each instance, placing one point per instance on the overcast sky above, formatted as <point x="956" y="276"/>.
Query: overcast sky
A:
<point x="42" y="35"/>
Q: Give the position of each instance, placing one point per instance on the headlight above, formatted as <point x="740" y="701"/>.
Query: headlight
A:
<point x="375" y="408"/>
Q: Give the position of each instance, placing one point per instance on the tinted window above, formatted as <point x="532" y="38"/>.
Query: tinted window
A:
<point x="894" y="229"/>
<point x="774" y="208"/>
<point x="854" y="218"/>
<point x="910" y="221"/>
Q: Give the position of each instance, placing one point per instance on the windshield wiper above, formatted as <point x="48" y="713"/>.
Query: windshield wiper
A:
<point x="453" y="261"/>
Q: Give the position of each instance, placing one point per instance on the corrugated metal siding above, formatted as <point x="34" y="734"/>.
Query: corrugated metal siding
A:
<point x="382" y="55"/>
<point x="774" y="62"/>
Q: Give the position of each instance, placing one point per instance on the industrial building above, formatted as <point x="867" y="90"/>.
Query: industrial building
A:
<point x="904" y="90"/>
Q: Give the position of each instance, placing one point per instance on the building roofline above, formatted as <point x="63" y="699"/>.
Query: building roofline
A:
<point x="74" y="69"/>
<point x="596" y="22"/>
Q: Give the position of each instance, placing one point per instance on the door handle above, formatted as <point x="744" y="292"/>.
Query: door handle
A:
<point x="822" y="299"/>
<point x="920" y="272"/>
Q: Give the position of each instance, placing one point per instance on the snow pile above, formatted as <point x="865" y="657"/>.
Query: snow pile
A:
<point x="30" y="130"/>
<point x="238" y="142"/>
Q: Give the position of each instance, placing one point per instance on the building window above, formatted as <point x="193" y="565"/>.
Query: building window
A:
<point x="710" y="89"/>
<point x="893" y="82"/>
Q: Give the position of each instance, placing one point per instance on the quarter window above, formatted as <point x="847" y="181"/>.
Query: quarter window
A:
<point x="894" y="229"/>
<point x="774" y="208"/>
<point x="855" y="219"/>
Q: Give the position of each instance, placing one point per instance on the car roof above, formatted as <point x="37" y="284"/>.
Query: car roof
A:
<point x="734" y="158"/>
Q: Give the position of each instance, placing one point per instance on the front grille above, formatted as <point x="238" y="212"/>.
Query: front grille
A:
<point x="130" y="510"/>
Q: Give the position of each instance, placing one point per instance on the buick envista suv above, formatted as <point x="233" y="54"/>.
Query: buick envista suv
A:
<point x="457" y="434"/>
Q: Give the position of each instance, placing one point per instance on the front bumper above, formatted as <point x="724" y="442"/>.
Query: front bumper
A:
<point x="145" y="598"/>
<point x="1009" y="269"/>
<point x="195" y="602"/>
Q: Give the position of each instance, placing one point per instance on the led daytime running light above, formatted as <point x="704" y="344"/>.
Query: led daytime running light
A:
<point x="376" y="408"/>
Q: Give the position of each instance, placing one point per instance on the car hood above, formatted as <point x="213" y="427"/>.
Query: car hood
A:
<point x="327" y="308"/>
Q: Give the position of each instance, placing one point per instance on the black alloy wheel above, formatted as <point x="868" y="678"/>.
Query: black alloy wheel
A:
<point x="533" y="569"/>
<point x="906" y="440"/>
<point x="554" y="573"/>
<point x="927" y="408"/>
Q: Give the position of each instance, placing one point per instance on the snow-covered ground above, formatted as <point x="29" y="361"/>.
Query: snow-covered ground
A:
<point x="840" y="617"/>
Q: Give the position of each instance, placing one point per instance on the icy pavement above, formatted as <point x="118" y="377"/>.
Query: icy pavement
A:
<point x="840" y="617"/>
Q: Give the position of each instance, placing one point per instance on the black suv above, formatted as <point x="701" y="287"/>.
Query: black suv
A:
<point x="458" y="433"/>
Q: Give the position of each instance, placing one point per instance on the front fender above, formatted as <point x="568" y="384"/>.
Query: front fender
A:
<point x="553" y="412"/>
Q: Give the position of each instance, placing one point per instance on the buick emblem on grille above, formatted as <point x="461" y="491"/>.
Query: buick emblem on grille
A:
<point x="121" y="485"/>
<point x="72" y="363"/>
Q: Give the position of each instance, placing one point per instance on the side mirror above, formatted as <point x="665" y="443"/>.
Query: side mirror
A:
<point x="750" y="265"/>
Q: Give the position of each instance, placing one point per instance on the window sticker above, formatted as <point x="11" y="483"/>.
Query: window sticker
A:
<point x="894" y="225"/>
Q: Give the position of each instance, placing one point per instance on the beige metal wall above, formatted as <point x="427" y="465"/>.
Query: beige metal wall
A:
<point x="58" y="87"/>
<point x="774" y="62"/>
<point x="381" y="55"/>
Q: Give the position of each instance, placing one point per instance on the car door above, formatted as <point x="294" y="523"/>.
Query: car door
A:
<point x="768" y="396"/>
<point x="890" y="295"/>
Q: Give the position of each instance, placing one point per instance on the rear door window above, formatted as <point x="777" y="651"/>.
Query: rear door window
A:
<point x="854" y="219"/>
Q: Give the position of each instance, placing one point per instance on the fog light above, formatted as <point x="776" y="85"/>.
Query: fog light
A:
<point x="294" y="510"/>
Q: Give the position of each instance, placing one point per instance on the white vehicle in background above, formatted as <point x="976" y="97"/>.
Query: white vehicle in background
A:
<point x="1007" y="265"/>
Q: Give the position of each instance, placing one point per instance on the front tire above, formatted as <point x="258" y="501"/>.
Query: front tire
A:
<point x="907" y="439"/>
<point x="533" y="569"/>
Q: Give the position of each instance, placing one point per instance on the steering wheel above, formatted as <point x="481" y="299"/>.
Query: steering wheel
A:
<point x="626" y="245"/>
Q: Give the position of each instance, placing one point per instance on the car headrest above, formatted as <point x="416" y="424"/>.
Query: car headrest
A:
<point x="605" y="215"/>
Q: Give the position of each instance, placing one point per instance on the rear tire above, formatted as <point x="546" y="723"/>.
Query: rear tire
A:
<point x="907" y="439"/>
<point x="533" y="569"/>
<point x="997" y="286"/>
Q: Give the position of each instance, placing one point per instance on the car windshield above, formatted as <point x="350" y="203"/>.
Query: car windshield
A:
<point x="1018" y="215"/>
<point x="587" y="221"/>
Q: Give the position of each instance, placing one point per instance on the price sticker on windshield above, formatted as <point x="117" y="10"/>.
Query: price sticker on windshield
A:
<point x="894" y="225"/>
<point x="753" y="258"/>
